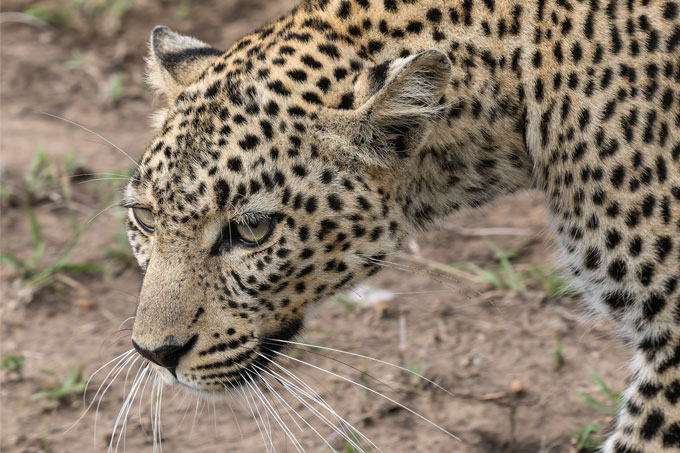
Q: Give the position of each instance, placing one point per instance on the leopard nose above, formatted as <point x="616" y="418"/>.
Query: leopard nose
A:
<point x="168" y="355"/>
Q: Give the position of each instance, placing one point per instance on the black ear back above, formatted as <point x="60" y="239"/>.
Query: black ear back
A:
<point x="177" y="60"/>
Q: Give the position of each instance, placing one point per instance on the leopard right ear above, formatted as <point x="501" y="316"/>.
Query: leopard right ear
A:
<point x="405" y="100"/>
<point x="175" y="60"/>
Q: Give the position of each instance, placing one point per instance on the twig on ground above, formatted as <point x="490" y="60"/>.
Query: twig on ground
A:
<point x="22" y="18"/>
<point x="489" y="231"/>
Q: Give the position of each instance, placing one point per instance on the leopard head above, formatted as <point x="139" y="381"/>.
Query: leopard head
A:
<point x="260" y="196"/>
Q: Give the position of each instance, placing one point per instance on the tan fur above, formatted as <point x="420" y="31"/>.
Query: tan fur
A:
<point x="352" y="124"/>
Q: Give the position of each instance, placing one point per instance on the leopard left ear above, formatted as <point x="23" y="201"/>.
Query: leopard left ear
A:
<point x="402" y="100"/>
<point x="176" y="60"/>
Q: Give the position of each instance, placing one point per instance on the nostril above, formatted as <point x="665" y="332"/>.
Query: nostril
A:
<point x="167" y="356"/>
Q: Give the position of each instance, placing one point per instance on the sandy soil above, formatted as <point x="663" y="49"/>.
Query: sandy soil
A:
<point x="489" y="347"/>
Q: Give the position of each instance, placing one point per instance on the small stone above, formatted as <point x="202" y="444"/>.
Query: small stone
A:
<point x="84" y="303"/>
<point x="516" y="387"/>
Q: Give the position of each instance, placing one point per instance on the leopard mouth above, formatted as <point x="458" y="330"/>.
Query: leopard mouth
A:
<point x="246" y="364"/>
<point x="241" y="369"/>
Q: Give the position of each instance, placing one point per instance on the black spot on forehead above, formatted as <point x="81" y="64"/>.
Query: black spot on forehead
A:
<point x="249" y="142"/>
<point x="221" y="193"/>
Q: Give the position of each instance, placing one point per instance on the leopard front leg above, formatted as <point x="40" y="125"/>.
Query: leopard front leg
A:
<point x="618" y="283"/>
<point x="649" y="420"/>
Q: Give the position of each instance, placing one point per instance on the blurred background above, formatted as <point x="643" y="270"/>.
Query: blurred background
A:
<point x="475" y="305"/>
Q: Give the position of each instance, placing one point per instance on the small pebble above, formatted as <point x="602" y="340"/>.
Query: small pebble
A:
<point x="85" y="303"/>
<point x="516" y="386"/>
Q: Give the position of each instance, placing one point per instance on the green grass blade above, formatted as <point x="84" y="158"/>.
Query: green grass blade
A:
<point x="36" y="238"/>
<point x="485" y="276"/>
<point x="589" y="400"/>
<point x="12" y="260"/>
<point x="614" y="397"/>
<point x="40" y="395"/>
<point x="80" y="267"/>
<point x="513" y="279"/>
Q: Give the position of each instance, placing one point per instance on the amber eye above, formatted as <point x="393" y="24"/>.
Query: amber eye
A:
<point x="144" y="218"/>
<point x="254" y="233"/>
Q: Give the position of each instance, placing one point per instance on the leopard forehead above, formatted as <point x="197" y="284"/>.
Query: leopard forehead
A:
<point x="219" y="147"/>
<point x="239" y="127"/>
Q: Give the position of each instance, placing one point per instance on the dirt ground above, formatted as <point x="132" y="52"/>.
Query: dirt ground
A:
<point x="492" y="348"/>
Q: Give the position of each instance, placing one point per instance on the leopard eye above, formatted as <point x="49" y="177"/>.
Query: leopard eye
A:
<point x="254" y="233"/>
<point x="144" y="218"/>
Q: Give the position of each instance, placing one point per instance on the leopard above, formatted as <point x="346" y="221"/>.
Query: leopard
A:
<point x="287" y="169"/>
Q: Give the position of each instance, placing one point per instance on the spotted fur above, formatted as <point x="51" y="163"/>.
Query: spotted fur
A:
<point x="352" y="123"/>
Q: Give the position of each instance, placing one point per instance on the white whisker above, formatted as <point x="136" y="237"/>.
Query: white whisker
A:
<point x="193" y="422"/>
<point x="313" y="395"/>
<point x="113" y="178"/>
<point x="429" y="381"/>
<point x="294" y="390"/>
<point x="276" y="394"/>
<point x="253" y="394"/>
<point x="202" y="407"/>
<point x="102" y="211"/>
<point x="257" y="409"/>
<point x="252" y="413"/>
<point x="136" y="385"/>
<point x="283" y="400"/>
<point x="231" y="408"/>
<point x="105" y="173"/>
<point x="139" y="407"/>
<point x="160" y="425"/>
<point x="275" y="414"/>
<point x="127" y="374"/>
<point x="156" y="400"/>
<point x="123" y="323"/>
<point x="118" y="359"/>
<point x="215" y="416"/>
<point x="185" y="400"/>
<point x="406" y="408"/>
<point x="121" y="419"/>
<point x="345" y="364"/>
<point x="128" y="361"/>
<point x="93" y="133"/>
<point x="440" y="278"/>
